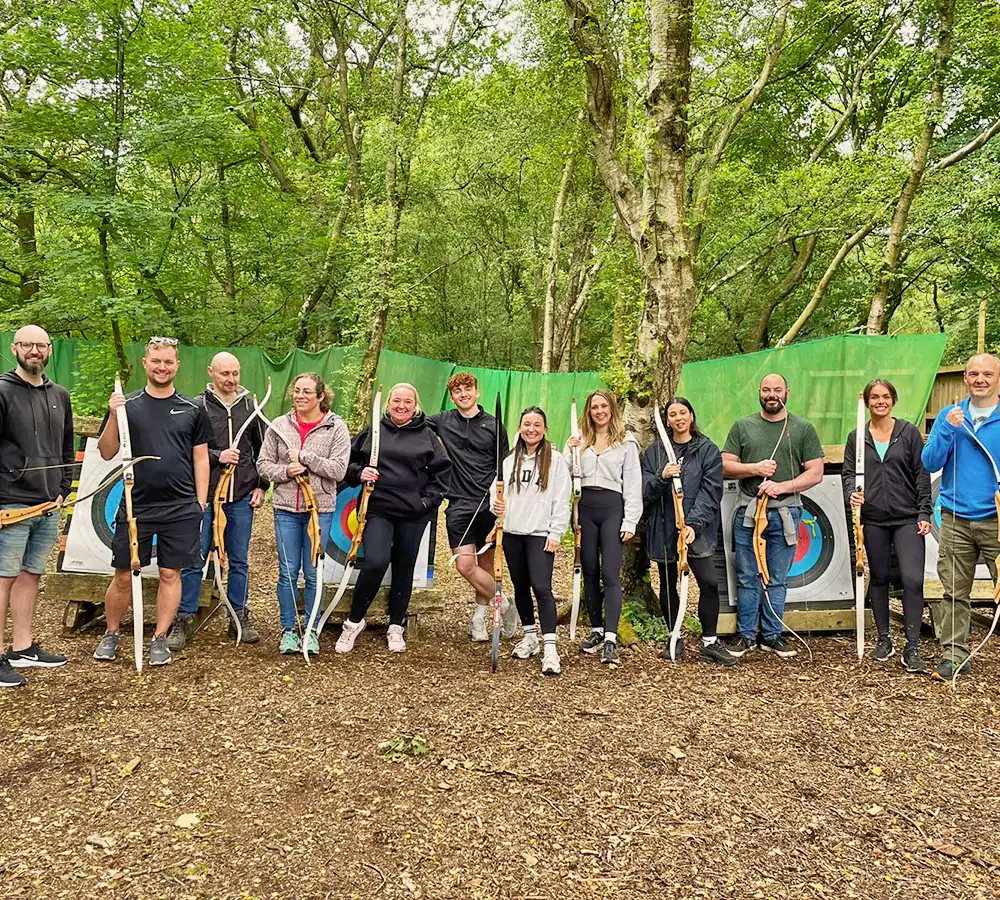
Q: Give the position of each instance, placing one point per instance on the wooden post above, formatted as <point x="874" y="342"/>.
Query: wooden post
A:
<point x="981" y="342"/>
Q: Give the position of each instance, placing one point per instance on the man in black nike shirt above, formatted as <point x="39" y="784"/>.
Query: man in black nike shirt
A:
<point x="169" y="497"/>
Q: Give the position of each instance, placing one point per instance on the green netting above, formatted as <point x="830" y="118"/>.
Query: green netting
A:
<point x="824" y="379"/>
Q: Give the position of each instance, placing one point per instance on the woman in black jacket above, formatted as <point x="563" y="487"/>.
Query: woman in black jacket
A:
<point x="699" y="463"/>
<point x="410" y="482"/>
<point x="895" y="512"/>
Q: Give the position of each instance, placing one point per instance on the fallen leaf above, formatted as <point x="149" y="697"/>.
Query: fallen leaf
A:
<point x="130" y="766"/>
<point x="676" y="753"/>
<point x="952" y="850"/>
<point x="187" y="820"/>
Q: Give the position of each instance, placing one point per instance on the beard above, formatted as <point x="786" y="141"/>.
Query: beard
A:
<point x="34" y="366"/>
<point x="772" y="405"/>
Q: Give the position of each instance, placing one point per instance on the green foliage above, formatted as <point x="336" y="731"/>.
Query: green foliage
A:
<point x="398" y="749"/>
<point x="95" y="365"/>
<point x="650" y="627"/>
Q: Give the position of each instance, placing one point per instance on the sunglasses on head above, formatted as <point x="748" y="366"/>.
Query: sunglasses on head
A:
<point x="170" y="342"/>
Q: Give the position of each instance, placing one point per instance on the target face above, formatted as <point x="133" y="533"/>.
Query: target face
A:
<point x="103" y="510"/>
<point x="814" y="550"/>
<point x="345" y="525"/>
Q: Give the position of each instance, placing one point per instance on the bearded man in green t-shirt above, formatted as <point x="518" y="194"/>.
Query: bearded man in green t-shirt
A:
<point x="775" y="456"/>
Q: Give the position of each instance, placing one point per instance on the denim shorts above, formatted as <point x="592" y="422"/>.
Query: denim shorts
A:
<point x="26" y="546"/>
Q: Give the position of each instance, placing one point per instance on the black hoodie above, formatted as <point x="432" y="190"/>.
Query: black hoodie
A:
<point x="36" y="429"/>
<point x="413" y="468"/>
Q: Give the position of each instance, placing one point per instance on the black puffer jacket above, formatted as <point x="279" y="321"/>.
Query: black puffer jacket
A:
<point x="897" y="489"/>
<point x="414" y="469"/>
<point x="36" y="429"/>
<point x="701" y="475"/>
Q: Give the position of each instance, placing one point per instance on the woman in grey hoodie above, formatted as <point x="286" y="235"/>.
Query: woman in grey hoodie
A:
<point x="610" y="509"/>
<point x="536" y="516"/>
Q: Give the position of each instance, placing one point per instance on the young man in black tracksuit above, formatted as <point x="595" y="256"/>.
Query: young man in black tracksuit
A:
<point x="228" y="406"/>
<point x="895" y="511"/>
<point x="36" y="435"/>
<point x="469" y="434"/>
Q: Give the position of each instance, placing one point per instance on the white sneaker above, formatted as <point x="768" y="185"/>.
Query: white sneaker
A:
<point x="526" y="647"/>
<point x="345" y="643"/>
<point x="550" y="661"/>
<point x="478" y="632"/>
<point x="509" y="617"/>
<point x="395" y="640"/>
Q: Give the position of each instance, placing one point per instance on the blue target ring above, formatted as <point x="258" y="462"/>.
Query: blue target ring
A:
<point x="814" y="550"/>
<point x="344" y="525"/>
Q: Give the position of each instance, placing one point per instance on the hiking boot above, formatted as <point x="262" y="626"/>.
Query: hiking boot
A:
<point x="478" y="632"/>
<point x="509" y="618"/>
<point x="778" y="646"/>
<point x="35" y="657"/>
<point x="395" y="639"/>
<point x="107" y="650"/>
<point x="8" y="677"/>
<point x="250" y="634"/>
<point x="945" y="670"/>
<point x="159" y="652"/>
<point x="610" y="655"/>
<point x="740" y="646"/>
<point x="526" y="647"/>
<point x="550" y="660"/>
<point x="717" y="653"/>
<point x="289" y="642"/>
<point x="883" y="649"/>
<point x="911" y="661"/>
<point x="678" y="650"/>
<point x="593" y="642"/>
<point x="348" y="635"/>
<point x="180" y="633"/>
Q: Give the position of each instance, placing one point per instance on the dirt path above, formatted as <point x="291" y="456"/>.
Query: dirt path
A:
<point x="654" y="780"/>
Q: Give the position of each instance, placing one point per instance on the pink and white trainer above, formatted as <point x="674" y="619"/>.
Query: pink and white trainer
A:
<point x="395" y="640"/>
<point x="348" y="635"/>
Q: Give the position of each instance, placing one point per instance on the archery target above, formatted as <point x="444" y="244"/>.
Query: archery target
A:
<point x="821" y="568"/>
<point x="932" y="543"/>
<point x="90" y="528"/>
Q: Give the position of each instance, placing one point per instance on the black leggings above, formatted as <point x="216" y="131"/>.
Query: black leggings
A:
<point x="394" y="542"/>
<point x="910" y="553"/>
<point x="707" y="577"/>
<point x="530" y="570"/>
<point x="601" y="515"/>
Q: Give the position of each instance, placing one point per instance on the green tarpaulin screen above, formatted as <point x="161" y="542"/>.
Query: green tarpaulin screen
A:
<point x="824" y="377"/>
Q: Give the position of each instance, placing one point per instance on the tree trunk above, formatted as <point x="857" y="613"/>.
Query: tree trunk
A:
<point x="890" y="261"/>
<point x="552" y="277"/>
<point x="229" y="281"/>
<point x="24" y="223"/>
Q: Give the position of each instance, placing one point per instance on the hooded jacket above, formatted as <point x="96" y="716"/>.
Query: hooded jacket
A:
<point x="531" y="510"/>
<point x="226" y="421"/>
<point x="701" y="476"/>
<point x="414" y="469"/>
<point x="324" y="453"/>
<point x="471" y="443"/>
<point x="36" y="429"/>
<point x="898" y="488"/>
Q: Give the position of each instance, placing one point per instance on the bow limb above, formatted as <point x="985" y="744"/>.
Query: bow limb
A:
<point x="316" y="546"/>
<point x="685" y="572"/>
<point x="219" y="521"/>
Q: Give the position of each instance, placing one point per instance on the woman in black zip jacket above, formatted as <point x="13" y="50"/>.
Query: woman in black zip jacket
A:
<point x="700" y="465"/>
<point x="895" y="512"/>
<point x="411" y="480"/>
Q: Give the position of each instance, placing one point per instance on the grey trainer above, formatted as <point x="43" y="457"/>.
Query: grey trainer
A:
<point x="159" y="652"/>
<point x="107" y="650"/>
<point x="180" y="633"/>
<point x="250" y="634"/>
<point x="508" y="617"/>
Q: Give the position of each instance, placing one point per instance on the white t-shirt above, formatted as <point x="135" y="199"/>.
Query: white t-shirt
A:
<point x="980" y="414"/>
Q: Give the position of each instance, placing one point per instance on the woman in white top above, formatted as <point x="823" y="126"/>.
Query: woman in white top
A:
<point x="536" y="516"/>
<point x="610" y="509"/>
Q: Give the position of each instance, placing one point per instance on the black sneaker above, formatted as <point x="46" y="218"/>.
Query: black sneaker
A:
<point x="778" y="646"/>
<point x="679" y="650"/>
<point x="592" y="642"/>
<point x="610" y="656"/>
<point x="717" y="653"/>
<point x="946" y="670"/>
<point x="911" y="661"/>
<point x="8" y="677"/>
<point x="35" y="657"/>
<point x="250" y="635"/>
<point x="883" y="649"/>
<point x="739" y="646"/>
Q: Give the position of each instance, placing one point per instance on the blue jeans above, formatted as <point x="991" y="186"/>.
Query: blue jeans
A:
<point x="749" y="597"/>
<point x="295" y="555"/>
<point x="239" y="523"/>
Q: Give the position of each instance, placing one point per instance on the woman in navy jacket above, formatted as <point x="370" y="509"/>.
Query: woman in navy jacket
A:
<point x="700" y="465"/>
<point x="895" y="512"/>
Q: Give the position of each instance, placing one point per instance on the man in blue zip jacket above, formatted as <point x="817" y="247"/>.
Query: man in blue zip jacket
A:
<point x="967" y="434"/>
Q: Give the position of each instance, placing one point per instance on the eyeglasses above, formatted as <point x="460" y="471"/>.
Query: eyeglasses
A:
<point x="170" y="342"/>
<point x="41" y="346"/>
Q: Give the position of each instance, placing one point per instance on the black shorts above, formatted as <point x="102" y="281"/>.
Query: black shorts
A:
<point x="178" y="539"/>
<point x="458" y="517"/>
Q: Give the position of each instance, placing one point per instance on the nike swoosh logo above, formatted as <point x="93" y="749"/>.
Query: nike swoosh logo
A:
<point x="178" y="412"/>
